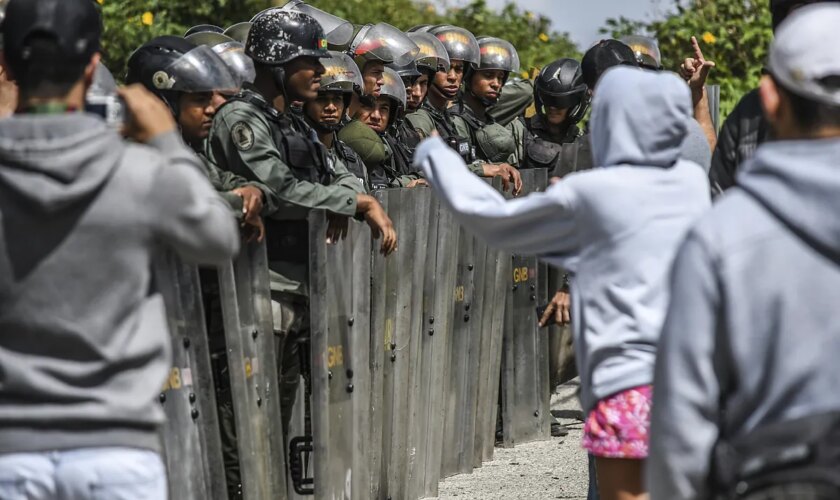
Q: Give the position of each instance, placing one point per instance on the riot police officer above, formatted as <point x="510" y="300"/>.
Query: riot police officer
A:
<point x="561" y="100"/>
<point x="435" y="115"/>
<point x="494" y="143"/>
<point x="254" y="136"/>
<point x="340" y="82"/>
<point x="383" y="116"/>
<point x="193" y="82"/>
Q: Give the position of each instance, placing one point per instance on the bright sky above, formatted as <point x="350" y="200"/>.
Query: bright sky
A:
<point x="582" y="18"/>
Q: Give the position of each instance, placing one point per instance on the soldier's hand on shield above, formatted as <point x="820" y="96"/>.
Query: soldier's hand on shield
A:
<point x="379" y="222"/>
<point x="253" y="229"/>
<point x="337" y="227"/>
<point x="252" y="200"/>
<point x="149" y="116"/>
<point x="695" y="70"/>
<point x="507" y="173"/>
<point x="558" y="310"/>
<point x="418" y="183"/>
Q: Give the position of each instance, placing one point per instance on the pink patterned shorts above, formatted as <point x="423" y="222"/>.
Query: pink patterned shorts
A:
<point x="618" y="426"/>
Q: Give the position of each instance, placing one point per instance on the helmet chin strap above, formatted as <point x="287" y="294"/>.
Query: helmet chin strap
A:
<point x="279" y="73"/>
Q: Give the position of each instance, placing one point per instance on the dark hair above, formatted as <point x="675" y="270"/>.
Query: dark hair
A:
<point x="47" y="72"/>
<point x="603" y="56"/>
<point x="811" y="115"/>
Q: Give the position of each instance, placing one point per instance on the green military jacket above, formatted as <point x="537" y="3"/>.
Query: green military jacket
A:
<point x="244" y="140"/>
<point x="494" y="142"/>
<point x="427" y="120"/>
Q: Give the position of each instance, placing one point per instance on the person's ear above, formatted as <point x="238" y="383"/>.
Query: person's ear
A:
<point x="90" y="69"/>
<point x="771" y="99"/>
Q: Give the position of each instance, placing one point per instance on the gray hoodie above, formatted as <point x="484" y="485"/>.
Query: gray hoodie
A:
<point x="751" y="336"/>
<point x="84" y="347"/>
<point x="616" y="228"/>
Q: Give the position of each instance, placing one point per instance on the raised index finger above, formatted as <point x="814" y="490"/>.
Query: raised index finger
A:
<point x="698" y="53"/>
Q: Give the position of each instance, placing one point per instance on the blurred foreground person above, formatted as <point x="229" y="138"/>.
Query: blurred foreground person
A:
<point x="746" y="381"/>
<point x="745" y="128"/>
<point x="84" y="346"/>
<point x="645" y="193"/>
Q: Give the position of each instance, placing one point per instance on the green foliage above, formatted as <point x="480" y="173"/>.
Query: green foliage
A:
<point x="130" y="23"/>
<point x="125" y="29"/>
<point x="735" y="34"/>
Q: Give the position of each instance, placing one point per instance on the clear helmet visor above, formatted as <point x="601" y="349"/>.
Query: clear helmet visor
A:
<point x="385" y="43"/>
<point x="231" y="52"/>
<point x="646" y="50"/>
<point x="498" y="54"/>
<point x="341" y="74"/>
<point x="432" y="54"/>
<point x="460" y="44"/>
<point x="394" y="87"/>
<point x="337" y="30"/>
<point x="199" y="70"/>
<point x="239" y="32"/>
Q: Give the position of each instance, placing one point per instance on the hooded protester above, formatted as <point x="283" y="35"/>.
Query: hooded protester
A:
<point x="85" y="346"/>
<point x="643" y="192"/>
<point x="746" y="381"/>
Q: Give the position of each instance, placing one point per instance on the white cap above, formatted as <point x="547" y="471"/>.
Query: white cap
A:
<point x="806" y="52"/>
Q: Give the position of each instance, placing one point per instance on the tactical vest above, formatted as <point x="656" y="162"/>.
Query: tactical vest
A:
<point x="494" y="143"/>
<point x="351" y="160"/>
<point x="308" y="160"/>
<point x="446" y="129"/>
<point x="384" y="175"/>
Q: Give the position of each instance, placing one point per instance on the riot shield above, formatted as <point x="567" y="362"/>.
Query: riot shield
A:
<point x="713" y="91"/>
<point x="249" y="337"/>
<point x="497" y="272"/>
<point x="402" y="286"/>
<point x="430" y="382"/>
<point x="340" y="319"/>
<point x="191" y="431"/>
<point x="524" y="359"/>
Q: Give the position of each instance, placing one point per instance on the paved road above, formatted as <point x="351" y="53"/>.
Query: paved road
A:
<point x="536" y="471"/>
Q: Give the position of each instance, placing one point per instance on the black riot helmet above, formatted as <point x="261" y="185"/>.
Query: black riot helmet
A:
<point x="560" y="85"/>
<point x="494" y="54"/>
<point x="169" y="66"/>
<point x="278" y="36"/>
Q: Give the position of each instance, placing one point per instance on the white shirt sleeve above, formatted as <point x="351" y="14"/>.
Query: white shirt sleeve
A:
<point x="542" y="224"/>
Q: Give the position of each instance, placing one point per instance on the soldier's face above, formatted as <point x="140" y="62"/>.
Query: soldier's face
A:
<point x="376" y="117"/>
<point x="326" y="109"/>
<point x="304" y="78"/>
<point x="196" y="114"/>
<point x="417" y="92"/>
<point x="374" y="77"/>
<point x="449" y="83"/>
<point x="556" y="116"/>
<point x="487" y="84"/>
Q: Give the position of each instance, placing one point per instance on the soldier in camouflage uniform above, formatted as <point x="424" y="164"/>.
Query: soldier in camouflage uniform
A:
<point x="494" y="142"/>
<point x="435" y="114"/>
<point x="562" y="99"/>
<point x="339" y="84"/>
<point x="383" y="116"/>
<point x="194" y="82"/>
<point x="253" y="135"/>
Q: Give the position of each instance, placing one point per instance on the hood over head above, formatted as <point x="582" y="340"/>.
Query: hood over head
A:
<point x="52" y="162"/>
<point x="798" y="182"/>
<point x="639" y="117"/>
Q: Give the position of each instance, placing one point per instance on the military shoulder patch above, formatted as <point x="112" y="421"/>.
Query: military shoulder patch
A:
<point x="243" y="136"/>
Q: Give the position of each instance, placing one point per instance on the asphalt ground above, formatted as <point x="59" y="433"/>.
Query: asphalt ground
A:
<point x="535" y="471"/>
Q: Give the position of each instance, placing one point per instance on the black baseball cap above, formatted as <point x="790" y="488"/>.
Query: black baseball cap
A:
<point x="72" y="27"/>
<point x="603" y="56"/>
